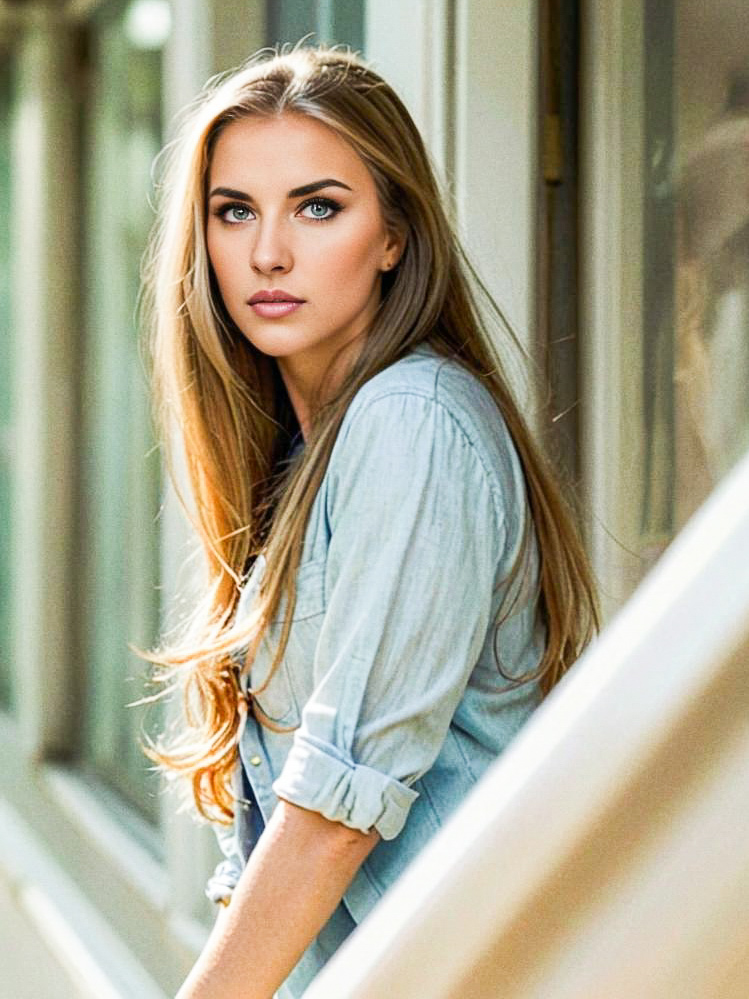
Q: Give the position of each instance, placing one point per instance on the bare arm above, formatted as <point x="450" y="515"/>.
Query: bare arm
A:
<point x="295" y="878"/>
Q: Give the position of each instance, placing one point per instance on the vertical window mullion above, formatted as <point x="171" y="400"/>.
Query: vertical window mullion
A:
<point x="121" y="479"/>
<point x="7" y="687"/>
<point x="496" y="159"/>
<point x="45" y="321"/>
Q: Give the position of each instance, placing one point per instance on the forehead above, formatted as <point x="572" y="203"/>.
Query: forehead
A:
<point x="285" y="151"/>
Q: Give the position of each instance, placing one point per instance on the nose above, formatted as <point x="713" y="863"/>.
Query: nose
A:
<point x="270" y="252"/>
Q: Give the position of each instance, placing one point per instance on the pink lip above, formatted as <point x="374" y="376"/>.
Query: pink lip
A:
<point x="272" y="310"/>
<point x="274" y="295"/>
<point x="274" y="303"/>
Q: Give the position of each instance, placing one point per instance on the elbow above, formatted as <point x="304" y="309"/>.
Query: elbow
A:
<point x="332" y="841"/>
<point x="346" y="840"/>
<point x="346" y="849"/>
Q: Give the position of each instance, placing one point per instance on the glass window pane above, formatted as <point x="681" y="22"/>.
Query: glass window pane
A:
<point x="6" y="340"/>
<point x="121" y="467"/>
<point x="329" y="21"/>
<point x="288" y="22"/>
<point x="696" y="254"/>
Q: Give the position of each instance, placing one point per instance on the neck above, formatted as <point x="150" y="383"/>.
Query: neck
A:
<point x="311" y="384"/>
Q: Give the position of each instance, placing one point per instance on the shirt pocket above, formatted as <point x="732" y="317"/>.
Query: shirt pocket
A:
<point x="281" y="700"/>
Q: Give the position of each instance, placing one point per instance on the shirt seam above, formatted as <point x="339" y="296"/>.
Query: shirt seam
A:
<point x="433" y="397"/>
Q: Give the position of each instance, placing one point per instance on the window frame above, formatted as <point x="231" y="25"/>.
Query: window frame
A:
<point x="496" y="52"/>
<point x="611" y="295"/>
<point x="118" y="471"/>
<point x="7" y="678"/>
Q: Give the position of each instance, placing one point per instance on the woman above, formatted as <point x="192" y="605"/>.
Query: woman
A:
<point x="393" y="578"/>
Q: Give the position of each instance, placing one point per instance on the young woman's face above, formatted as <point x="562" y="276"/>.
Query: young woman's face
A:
<point x="296" y="238"/>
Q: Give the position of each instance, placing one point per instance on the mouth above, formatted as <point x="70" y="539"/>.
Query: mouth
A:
<point x="274" y="304"/>
<point x="275" y="295"/>
<point x="275" y="310"/>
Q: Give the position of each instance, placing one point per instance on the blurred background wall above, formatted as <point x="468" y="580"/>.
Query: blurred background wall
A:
<point x="596" y="160"/>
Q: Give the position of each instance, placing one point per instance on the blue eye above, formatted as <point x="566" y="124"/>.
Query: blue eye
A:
<point x="315" y="209"/>
<point x="234" y="213"/>
<point x="320" y="209"/>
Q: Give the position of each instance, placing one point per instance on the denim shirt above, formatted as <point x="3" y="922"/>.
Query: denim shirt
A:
<point x="389" y="692"/>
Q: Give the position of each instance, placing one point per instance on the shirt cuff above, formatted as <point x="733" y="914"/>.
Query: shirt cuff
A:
<point x="221" y="884"/>
<point x="317" y="777"/>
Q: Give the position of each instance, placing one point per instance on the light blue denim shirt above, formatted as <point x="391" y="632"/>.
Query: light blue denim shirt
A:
<point x="389" y="683"/>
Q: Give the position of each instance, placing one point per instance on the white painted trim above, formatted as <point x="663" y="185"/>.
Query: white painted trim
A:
<point x="611" y="254"/>
<point x="408" y="44"/>
<point x="496" y="97"/>
<point x="97" y="963"/>
<point x="187" y="58"/>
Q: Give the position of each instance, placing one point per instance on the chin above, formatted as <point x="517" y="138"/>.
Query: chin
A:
<point x="275" y="346"/>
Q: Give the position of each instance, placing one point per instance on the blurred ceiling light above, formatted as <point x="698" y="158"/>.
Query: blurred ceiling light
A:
<point x="148" y="23"/>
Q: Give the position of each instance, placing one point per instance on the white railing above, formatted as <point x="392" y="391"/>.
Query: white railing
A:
<point x="606" y="854"/>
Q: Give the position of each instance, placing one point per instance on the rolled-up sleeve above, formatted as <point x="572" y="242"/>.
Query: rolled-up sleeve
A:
<point x="416" y="537"/>
<point x="220" y="886"/>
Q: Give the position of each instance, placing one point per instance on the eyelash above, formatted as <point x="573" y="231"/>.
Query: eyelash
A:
<point x="334" y="206"/>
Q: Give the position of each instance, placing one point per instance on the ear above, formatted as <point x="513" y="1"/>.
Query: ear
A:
<point x="395" y="244"/>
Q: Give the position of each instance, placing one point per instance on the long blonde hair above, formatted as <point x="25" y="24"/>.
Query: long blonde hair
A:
<point x="232" y="412"/>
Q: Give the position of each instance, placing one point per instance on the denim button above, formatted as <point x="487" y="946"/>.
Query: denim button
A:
<point x="255" y="761"/>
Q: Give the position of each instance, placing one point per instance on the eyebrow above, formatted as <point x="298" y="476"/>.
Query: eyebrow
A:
<point x="297" y="192"/>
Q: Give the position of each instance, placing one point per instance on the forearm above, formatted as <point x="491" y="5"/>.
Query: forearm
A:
<point x="293" y="882"/>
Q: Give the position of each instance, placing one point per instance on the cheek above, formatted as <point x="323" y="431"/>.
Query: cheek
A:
<point x="224" y="264"/>
<point x="354" y="257"/>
